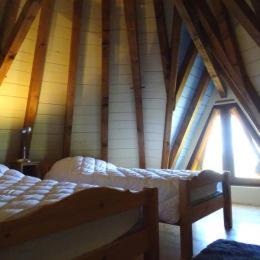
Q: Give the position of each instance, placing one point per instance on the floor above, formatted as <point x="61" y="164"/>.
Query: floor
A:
<point x="246" y="228"/>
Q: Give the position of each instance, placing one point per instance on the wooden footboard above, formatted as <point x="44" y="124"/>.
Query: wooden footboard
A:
<point x="193" y="211"/>
<point x="89" y="205"/>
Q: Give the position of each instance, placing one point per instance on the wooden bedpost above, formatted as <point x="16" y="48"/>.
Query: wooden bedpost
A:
<point x="185" y="220"/>
<point x="227" y="207"/>
<point x="151" y="221"/>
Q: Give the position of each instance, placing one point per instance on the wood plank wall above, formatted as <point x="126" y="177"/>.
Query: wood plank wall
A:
<point x="13" y="95"/>
<point x="122" y="148"/>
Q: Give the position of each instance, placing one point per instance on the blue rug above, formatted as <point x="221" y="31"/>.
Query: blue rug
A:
<point x="229" y="250"/>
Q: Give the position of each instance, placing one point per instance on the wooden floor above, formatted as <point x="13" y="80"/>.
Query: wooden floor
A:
<point x="246" y="228"/>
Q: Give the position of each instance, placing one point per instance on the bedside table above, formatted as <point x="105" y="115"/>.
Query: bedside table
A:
<point x="27" y="168"/>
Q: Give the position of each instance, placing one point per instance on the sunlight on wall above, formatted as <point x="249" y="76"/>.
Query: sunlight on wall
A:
<point x="213" y="152"/>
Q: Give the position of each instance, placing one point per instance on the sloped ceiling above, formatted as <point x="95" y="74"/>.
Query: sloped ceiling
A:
<point x="122" y="135"/>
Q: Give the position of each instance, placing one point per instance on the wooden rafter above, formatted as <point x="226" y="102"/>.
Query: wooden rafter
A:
<point x="190" y="20"/>
<point x="185" y="69"/>
<point x="132" y="35"/>
<point x="202" y="86"/>
<point x="105" y="78"/>
<point x="231" y="47"/>
<point x="74" y="54"/>
<point x="38" y="64"/>
<point x="245" y="16"/>
<point x="9" y="19"/>
<point x="202" y="141"/>
<point x="171" y="94"/>
<point x="231" y="75"/>
<point x="17" y="35"/>
<point x="163" y="40"/>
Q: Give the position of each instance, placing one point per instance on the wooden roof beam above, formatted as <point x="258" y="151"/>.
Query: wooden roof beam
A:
<point x="8" y="20"/>
<point x="231" y="47"/>
<point x="189" y="18"/>
<point x="38" y="64"/>
<point x="163" y="40"/>
<point x="132" y="35"/>
<point x="105" y="78"/>
<point x="245" y="16"/>
<point x="198" y="94"/>
<point x="72" y="75"/>
<point x="231" y="75"/>
<point x="17" y="35"/>
<point x="171" y="94"/>
<point x="185" y="69"/>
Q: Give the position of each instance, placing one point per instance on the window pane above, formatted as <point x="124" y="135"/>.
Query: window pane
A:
<point x="212" y="158"/>
<point x="246" y="152"/>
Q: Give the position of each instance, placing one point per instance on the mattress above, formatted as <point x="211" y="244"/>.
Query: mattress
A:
<point x="21" y="195"/>
<point x="97" y="172"/>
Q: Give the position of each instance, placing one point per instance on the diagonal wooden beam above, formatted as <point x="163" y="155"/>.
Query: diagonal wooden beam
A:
<point x="234" y="79"/>
<point x="171" y="94"/>
<point x="8" y="20"/>
<point x="17" y="35"/>
<point x="74" y="55"/>
<point x="245" y="16"/>
<point x="185" y="69"/>
<point x="38" y="64"/>
<point x="176" y="147"/>
<point x="232" y="48"/>
<point x="105" y="78"/>
<point x="132" y="35"/>
<point x="198" y="152"/>
<point x="190" y="20"/>
<point x="163" y="40"/>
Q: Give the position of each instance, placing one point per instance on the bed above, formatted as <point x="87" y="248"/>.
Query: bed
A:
<point x="46" y="219"/>
<point x="184" y="196"/>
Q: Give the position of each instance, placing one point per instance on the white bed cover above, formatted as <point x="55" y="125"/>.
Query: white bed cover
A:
<point x="20" y="195"/>
<point x="97" y="172"/>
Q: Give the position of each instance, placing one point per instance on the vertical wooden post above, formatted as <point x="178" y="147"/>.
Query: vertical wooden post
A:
<point x="227" y="208"/>
<point x="132" y="35"/>
<point x="74" y="53"/>
<point x="38" y="65"/>
<point x="151" y="222"/>
<point x="105" y="78"/>
<point x="171" y="94"/>
<point x="185" y="220"/>
<point x="227" y="153"/>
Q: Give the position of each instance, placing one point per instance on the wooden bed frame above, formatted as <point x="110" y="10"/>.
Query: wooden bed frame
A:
<point x="190" y="211"/>
<point x="89" y="205"/>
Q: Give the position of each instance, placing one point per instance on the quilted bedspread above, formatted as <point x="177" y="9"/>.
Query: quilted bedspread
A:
<point x="20" y="194"/>
<point x="97" y="172"/>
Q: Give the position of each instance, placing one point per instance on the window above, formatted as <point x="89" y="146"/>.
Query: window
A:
<point x="229" y="142"/>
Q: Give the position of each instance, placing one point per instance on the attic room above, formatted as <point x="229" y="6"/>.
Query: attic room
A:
<point x="129" y="129"/>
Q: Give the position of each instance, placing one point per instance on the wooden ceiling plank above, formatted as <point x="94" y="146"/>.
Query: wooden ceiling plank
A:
<point x="38" y="64"/>
<point x="171" y="95"/>
<point x="188" y="17"/>
<point x="185" y="69"/>
<point x="176" y="147"/>
<point x="17" y="35"/>
<point x="232" y="48"/>
<point x="132" y="35"/>
<point x="245" y="16"/>
<point x="72" y="75"/>
<point x="105" y="77"/>
<point x="234" y="79"/>
<point x="163" y="40"/>
<point x="8" y="20"/>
